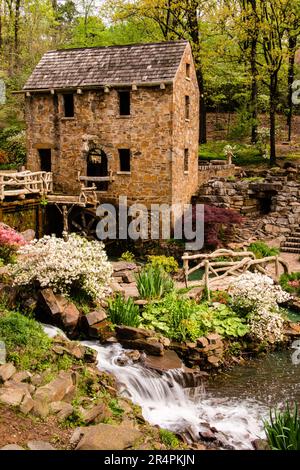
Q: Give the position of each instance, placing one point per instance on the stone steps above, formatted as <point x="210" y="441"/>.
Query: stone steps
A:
<point x="292" y="243"/>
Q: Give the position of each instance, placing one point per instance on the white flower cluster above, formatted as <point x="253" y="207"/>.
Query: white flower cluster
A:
<point x="61" y="265"/>
<point x="258" y="296"/>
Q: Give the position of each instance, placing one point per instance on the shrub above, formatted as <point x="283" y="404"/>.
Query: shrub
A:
<point x="123" y="312"/>
<point x="283" y="430"/>
<point x="127" y="256"/>
<point x="256" y="297"/>
<point x="218" y="224"/>
<point x="13" y="143"/>
<point x="153" y="283"/>
<point x="167" y="263"/>
<point x="64" y="266"/>
<point x="262" y="250"/>
<point x="291" y="283"/>
<point x="10" y="241"/>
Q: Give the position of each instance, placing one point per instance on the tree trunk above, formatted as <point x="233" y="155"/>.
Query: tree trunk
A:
<point x="254" y="89"/>
<point x="292" y="46"/>
<point x="16" y="32"/>
<point x="273" y="109"/>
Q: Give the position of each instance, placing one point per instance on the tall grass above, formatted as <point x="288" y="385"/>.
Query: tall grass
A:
<point x="153" y="283"/>
<point x="123" y="312"/>
<point x="283" y="430"/>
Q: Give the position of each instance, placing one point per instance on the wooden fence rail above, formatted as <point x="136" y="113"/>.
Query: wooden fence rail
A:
<point x="25" y="182"/>
<point x="216" y="266"/>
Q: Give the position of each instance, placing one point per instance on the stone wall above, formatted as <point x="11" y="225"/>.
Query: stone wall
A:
<point x="156" y="133"/>
<point x="275" y="199"/>
<point x="208" y="172"/>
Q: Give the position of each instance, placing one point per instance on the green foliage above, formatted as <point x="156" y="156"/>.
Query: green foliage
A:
<point x="244" y="154"/>
<point x="26" y="343"/>
<point x="167" y="263"/>
<point x="8" y="253"/>
<point x="291" y="283"/>
<point x="12" y="141"/>
<point x="262" y="250"/>
<point x="183" y="319"/>
<point x="123" y="312"/>
<point x="168" y="438"/>
<point x="153" y="283"/>
<point x="127" y="256"/>
<point x="115" y="407"/>
<point x="283" y="430"/>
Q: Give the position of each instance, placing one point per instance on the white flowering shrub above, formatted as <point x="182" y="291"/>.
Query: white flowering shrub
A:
<point x="63" y="265"/>
<point x="256" y="296"/>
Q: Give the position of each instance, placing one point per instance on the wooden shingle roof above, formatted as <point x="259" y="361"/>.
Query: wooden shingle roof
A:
<point x="112" y="65"/>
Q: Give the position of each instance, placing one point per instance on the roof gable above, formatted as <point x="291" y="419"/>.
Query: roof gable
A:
<point x="112" y="65"/>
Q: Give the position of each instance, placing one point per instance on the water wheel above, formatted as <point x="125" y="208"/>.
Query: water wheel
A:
<point x="84" y="222"/>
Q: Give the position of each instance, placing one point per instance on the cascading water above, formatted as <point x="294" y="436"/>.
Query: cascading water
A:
<point x="166" y="403"/>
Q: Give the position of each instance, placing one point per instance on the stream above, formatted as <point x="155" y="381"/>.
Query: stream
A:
<point x="233" y="403"/>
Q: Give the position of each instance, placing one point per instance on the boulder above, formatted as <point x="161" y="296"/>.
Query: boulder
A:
<point x="96" y="414"/>
<point x="7" y="371"/>
<point x="62" y="387"/>
<point x="130" y="290"/>
<point x="123" y="266"/>
<point x="62" y="409"/>
<point x="70" y="317"/>
<point x="27" y="404"/>
<point x="108" y="437"/>
<point x="58" y="309"/>
<point x="12" y="395"/>
<point x="149" y="345"/>
<point x="101" y="331"/>
<point x="22" y="376"/>
<point x="261" y="444"/>
<point x="49" y="303"/>
<point x="91" y="318"/>
<point x="28" y="235"/>
<point x="12" y="447"/>
<point x="169" y="360"/>
<point x="128" y="277"/>
<point x="39" y="445"/>
<point x="129" y="332"/>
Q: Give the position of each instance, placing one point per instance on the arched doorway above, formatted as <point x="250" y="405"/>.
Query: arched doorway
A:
<point x="97" y="165"/>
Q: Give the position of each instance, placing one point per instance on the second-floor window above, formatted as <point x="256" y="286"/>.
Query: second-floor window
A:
<point x="187" y="107"/>
<point x="124" y="157"/>
<point x="68" y="100"/>
<point x="188" y="70"/>
<point x="124" y="103"/>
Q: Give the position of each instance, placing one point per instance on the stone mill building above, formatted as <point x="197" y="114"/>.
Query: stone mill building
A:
<point x="125" y="115"/>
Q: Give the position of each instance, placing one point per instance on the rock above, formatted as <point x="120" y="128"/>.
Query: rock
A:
<point x="108" y="437"/>
<point x="70" y="347"/>
<point x="22" y="376"/>
<point x="260" y="444"/>
<point x="133" y="355"/>
<point x="128" y="277"/>
<point x="123" y="266"/>
<point x="96" y="414"/>
<point x="195" y="293"/>
<point x="214" y="360"/>
<point x="91" y="318"/>
<point x="76" y="436"/>
<point x="101" y="331"/>
<point x="149" y="345"/>
<point x="165" y="341"/>
<point x="62" y="387"/>
<point x="9" y="293"/>
<point x="12" y="447"/>
<point x="191" y="345"/>
<point x="40" y="445"/>
<point x="169" y="360"/>
<point x="115" y="287"/>
<point x="36" y="380"/>
<point x="70" y="317"/>
<point x="27" y="404"/>
<point x="214" y="337"/>
<point x="49" y="303"/>
<point x="62" y="409"/>
<point x="130" y="290"/>
<point x="11" y="396"/>
<point x="129" y="332"/>
<point x="141" y="302"/>
<point x="202" y="342"/>
<point x="7" y="371"/>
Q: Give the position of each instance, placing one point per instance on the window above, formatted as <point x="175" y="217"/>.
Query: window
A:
<point x="124" y="103"/>
<point x="187" y="107"/>
<point x="124" y="156"/>
<point x="187" y="70"/>
<point x="68" y="105"/>
<point x="45" y="159"/>
<point x="186" y="160"/>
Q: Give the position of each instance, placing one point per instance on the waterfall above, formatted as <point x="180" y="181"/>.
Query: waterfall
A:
<point x="167" y="403"/>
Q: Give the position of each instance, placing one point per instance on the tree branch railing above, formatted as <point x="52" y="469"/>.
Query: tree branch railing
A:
<point x="215" y="270"/>
<point x="20" y="184"/>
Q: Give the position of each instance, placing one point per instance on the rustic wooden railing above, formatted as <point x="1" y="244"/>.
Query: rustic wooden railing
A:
<point x="97" y="179"/>
<point x="20" y="184"/>
<point x="216" y="269"/>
